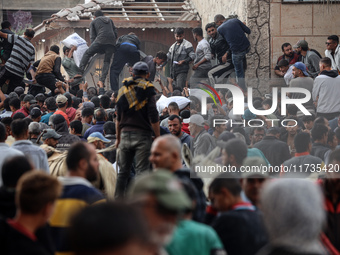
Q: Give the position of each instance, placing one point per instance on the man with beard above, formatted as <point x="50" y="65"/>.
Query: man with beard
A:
<point x="289" y="55"/>
<point x="219" y="49"/>
<point x="257" y="135"/>
<point x="309" y="58"/>
<point x="175" y="128"/>
<point x="180" y="54"/>
<point x="83" y="166"/>
<point x="161" y="200"/>
<point x="302" y="80"/>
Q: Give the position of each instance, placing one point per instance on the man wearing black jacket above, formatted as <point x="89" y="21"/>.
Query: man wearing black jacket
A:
<point x="166" y="154"/>
<point x="238" y="225"/>
<point x="127" y="52"/>
<point x="6" y="47"/>
<point x="219" y="49"/>
<point x="103" y="35"/>
<point x="275" y="150"/>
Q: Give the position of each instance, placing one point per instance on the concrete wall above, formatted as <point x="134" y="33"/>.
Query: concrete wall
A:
<point x="38" y="4"/>
<point x="208" y="9"/>
<point x="293" y="22"/>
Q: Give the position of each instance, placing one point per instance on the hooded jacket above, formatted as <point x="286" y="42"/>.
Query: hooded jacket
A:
<point x="103" y="31"/>
<point x="67" y="139"/>
<point x="326" y="87"/>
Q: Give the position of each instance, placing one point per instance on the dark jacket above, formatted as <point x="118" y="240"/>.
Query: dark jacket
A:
<point x="15" y="242"/>
<point x="185" y="138"/>
<point x="270" y="250"/>
<point x="332" y="230"/>
<point x="7" y="204"/>
<point x="133" y="39"/>
<point x="233" y="31"/>
<point x="67" y="139"/>
<point x="98" y="127"/>
<point x="184" y="51"/>
<point x="241" y="231"/>
<point x="319" y="150"/>
<point x="274" y="150"/>
<point x="103" y="31"/>
<point x="110" y="155"/>
<point x="5" y="45"/>
<point x="302" y="162"/>
<point x="219" y="47"/>
<point x="188" y="176"/>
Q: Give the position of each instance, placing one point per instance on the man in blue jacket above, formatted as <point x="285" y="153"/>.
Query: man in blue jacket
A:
<point x="232" y="30"/>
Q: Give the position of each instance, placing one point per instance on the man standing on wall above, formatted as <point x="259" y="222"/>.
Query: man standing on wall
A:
<point x="233" y="31"/>
<point x="180" y="54"/>
<point x="103" y="35"/>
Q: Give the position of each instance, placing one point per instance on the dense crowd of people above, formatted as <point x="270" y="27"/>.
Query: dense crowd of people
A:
<point x="140" y="170"/>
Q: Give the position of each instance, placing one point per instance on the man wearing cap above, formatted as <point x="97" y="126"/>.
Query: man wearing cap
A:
<point x="273" y="149"/>
<point x="253" y="179"/>
<point x="203" y="142"/>
<point x="137" y="118"/>
<point x="62" y="105"/>
<point x="28" y="101"/>
<point x="326" y="92"/>
<point x="302" y="80"/>
<point x="309" y="58"/>
<point x="286" y="70"/>
<point x="289" y="55"/>
<point x="161" y="199"/>
<point x="51" y="138"/>
<point x="50" y="105"/>
<point x="98" y="140"/>
<point x="333" y="51"/>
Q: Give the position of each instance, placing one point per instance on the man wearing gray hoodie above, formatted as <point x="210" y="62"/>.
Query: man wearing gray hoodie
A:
<point x="103" y="35"/>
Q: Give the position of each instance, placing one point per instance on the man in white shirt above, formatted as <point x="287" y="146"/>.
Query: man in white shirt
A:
<point x="326" y="91"/>
<point x="333" y="51"/>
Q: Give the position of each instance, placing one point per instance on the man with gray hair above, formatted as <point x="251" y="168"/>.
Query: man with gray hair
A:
<point x="166" y="154"/>
<point x="293" y="225"/>
<point x="203" y="142"/>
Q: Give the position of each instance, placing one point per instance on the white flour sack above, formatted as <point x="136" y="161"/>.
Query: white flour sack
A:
<point x="76" y="40"/>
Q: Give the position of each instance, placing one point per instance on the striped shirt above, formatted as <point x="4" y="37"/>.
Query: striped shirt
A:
<point x="23" y="53"/>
